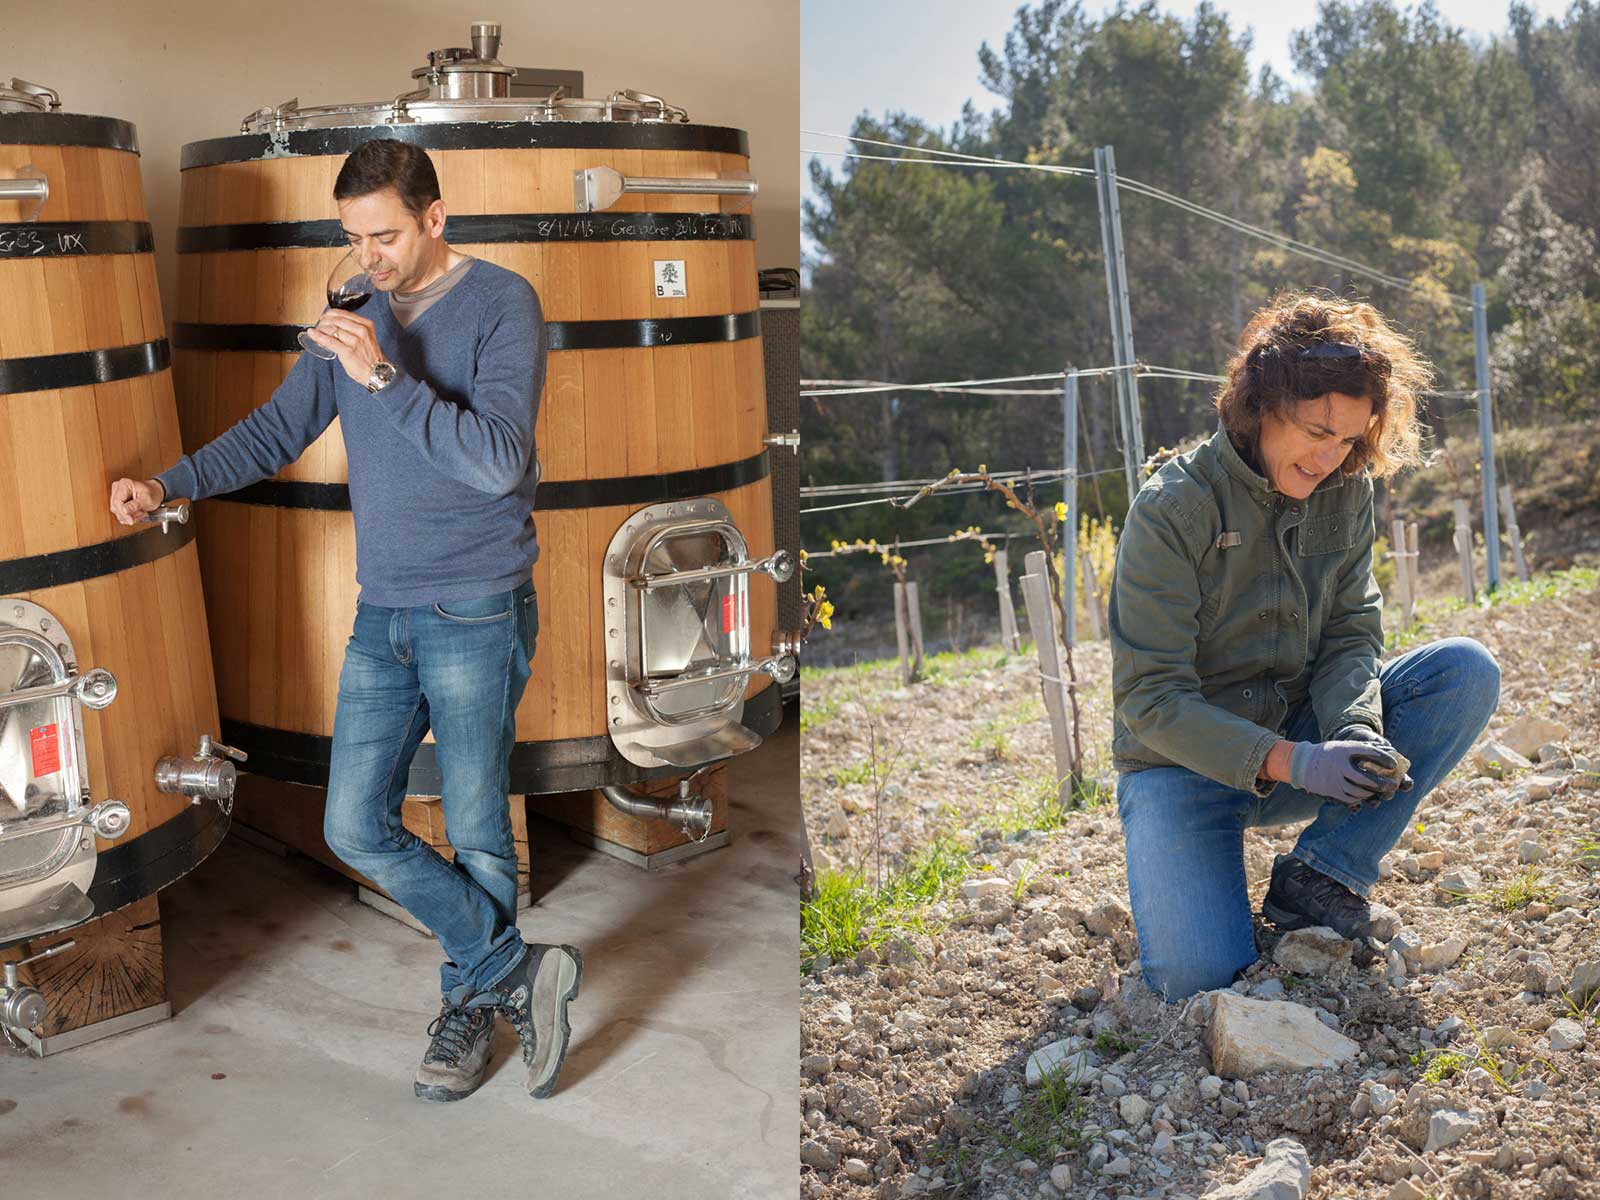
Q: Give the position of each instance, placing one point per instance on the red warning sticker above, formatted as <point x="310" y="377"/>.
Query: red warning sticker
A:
<point x="45" y="741"/>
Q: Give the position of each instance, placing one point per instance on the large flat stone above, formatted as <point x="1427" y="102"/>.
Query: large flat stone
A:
<point x="1497" y="760"/>
<point x="1246" y="1037"/>
<point x="1527" y="733"/>
<point x="1448" y="1126"/>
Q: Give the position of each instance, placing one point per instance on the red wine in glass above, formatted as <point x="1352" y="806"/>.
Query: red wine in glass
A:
<point x="349" y="287"/>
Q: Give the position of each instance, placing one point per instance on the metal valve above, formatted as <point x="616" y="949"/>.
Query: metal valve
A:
<point x="790" y="439"/>
<point x="786" y="642"/>
<point x="176" y="513"/>
<point x="209" y="775"/>
<point x="22" y="1006"/>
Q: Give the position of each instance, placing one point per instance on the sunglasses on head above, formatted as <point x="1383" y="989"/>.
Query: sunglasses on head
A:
<point x="1328" y="351"/>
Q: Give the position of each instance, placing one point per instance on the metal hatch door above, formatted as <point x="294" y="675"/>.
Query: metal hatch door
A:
<point x="678" y="652"/>
<point x="47" y="847"/>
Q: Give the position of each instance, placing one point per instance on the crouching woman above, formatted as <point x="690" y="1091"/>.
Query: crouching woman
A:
<point x="1245" y="633"/>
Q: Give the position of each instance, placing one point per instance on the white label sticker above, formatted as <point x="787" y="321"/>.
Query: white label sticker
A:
<point x="669" y="278"/>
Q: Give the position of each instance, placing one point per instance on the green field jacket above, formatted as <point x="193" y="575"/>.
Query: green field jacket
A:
<point x="1231" y="604"/>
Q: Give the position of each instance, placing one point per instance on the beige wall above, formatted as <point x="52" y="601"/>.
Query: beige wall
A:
<point x="185" y="70"/>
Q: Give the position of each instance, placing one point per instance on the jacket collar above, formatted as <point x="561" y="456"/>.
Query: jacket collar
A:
<point x="1234" y="464"/>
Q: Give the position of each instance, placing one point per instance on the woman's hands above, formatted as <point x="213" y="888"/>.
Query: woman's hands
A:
<point x="1337" y="770"/>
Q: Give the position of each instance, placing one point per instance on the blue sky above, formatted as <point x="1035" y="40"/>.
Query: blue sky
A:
<point x="922" y="57"/>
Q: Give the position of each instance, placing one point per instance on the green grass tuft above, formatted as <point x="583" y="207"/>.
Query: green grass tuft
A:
<point x="848" y="913"/>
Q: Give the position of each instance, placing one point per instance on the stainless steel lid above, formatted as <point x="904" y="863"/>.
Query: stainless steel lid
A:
<point x="467" y="84"/>
<point x="18" y="95"/>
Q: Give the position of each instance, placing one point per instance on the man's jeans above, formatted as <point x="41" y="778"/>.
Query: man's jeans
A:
<point x="459" y="668"/>
<point x="1184" y="832"/>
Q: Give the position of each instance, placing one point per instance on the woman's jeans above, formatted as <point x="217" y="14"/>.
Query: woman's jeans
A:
<point x="1184" y="833"/>
<point x="459" y="668"/>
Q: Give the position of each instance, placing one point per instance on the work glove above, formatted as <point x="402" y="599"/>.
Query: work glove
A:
<point x="1335" y="770"/>
<point x="1399" y="781"/>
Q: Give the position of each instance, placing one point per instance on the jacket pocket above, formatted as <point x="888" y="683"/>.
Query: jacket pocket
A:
<point x="1327" y="534"/>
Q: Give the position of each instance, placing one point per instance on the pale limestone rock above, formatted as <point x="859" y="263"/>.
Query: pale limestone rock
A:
<point x="1284" y="1174"/>
<point x="1565" y="1034"/>
<point x="1067" y="1060"/>
<point x="1246" y="1037"/>
<point x="1439" y="955"/>
<point x="1527" y="733"/>
<point x="1448" y="1126"/>
<point x="1497" y="760"/>
<point x="1313" y="951"/>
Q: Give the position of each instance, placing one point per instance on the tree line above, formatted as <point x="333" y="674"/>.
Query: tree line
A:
<point x="1414" y="148"/>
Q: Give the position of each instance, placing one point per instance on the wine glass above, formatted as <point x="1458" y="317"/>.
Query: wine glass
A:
<point x="349" y="287"/>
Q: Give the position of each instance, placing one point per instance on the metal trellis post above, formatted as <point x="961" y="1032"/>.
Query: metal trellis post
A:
<point x="1069" y="531"/>
<point x="1127" y="388"/>
<point x="1491" y="515"/>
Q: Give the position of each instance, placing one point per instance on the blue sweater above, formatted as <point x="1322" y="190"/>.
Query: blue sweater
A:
<point x="442" y="460"/>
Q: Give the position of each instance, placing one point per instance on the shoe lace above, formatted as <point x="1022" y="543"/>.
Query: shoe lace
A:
<point x="454" y="1031"/>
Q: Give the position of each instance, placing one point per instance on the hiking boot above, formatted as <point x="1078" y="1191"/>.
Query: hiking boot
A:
<point x="1300" y="896"/>
<point x="463" y="1035"/>
<point x="534" y="998"/>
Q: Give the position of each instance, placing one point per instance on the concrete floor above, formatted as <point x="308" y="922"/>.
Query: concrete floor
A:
<point x="681" y="1079"/>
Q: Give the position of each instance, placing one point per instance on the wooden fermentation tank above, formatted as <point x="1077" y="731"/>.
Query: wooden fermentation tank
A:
<point x="651" y="400"/>
<point x="85" y="397"/>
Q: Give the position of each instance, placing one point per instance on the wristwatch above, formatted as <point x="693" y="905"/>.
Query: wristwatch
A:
<point x="383" y="374"/>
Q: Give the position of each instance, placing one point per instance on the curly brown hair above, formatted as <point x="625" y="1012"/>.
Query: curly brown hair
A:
<point x="1276" y="366"/>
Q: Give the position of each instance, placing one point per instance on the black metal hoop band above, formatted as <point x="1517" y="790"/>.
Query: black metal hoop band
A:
<point x="551" y="496"/>
<point x="470" y="135"/>
<point x="571" y="765"/>
<point x="563" y="335"/>
<point x="67" y="129"/>
<point x="132" y="870"/>
<point x="480" y="230"/>
<point x="76" y="239"/>
<point x="91" y="562"/>
<point x="52" y="372"/>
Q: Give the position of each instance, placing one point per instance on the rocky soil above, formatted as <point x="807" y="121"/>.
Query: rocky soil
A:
<point x="1007" y="1048"/>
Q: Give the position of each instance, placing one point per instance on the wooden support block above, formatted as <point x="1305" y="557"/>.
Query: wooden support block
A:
<point x="1402" y="576"/>
<point x="1052" y="668"/>
<point x="115" y="967"/>
<point x="1463" y="540"/>
<point x="1008" y="611"/>
<point x="1414" y="574"/>
<point x="1091" y="600"/>
<point x="292" y="814"/>
<point x="1508" y="511"/>
<point x="902" y="635"/>
<point x="914" y="609"/>
<point x="591" y="813"/>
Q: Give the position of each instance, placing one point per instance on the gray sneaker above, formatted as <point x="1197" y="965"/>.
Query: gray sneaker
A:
<point x="534" y="998"/>
<point x="463" y="1036"/>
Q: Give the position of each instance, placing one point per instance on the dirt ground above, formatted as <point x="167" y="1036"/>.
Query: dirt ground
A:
<point x="1475" y="1072"/>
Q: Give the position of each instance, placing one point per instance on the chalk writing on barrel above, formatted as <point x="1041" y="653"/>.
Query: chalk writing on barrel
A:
<point x="25" y="242"/>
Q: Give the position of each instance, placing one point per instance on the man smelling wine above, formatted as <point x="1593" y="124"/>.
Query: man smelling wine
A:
<point x="436" y="391"/>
